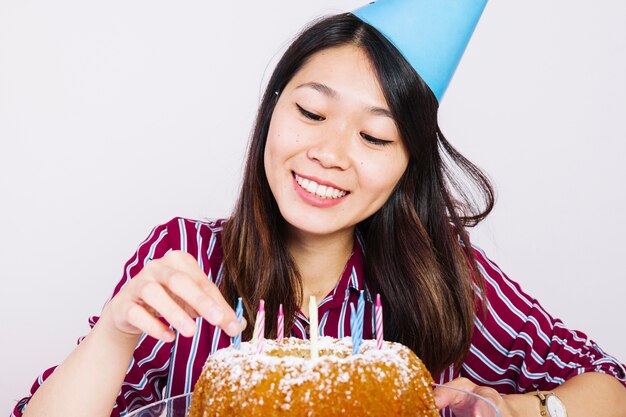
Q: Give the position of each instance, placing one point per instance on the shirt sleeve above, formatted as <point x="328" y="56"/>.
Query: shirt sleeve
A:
<point x="147" y="372"/>
<point x="518" y="347"/>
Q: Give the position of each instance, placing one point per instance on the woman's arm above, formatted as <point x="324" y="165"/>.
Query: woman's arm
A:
<point x="173" y="288"/>
<point x="517" y="346"/>
<point x="588" y="394"/>
<point x="88" y="381"/>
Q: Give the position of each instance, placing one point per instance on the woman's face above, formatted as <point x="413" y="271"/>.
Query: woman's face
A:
<point x="333" y="153"/>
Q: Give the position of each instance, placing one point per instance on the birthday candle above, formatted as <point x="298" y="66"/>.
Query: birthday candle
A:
<point x="353" y="330"/>
<point x="379" y="323"/>
<point x="260" y="327"/>
<point x="360" y="312"/>
<point x="281" y="324"/>
<point x="313" y="326"/>
<point x="239" y="311"/>
<point x="256" y="330"/>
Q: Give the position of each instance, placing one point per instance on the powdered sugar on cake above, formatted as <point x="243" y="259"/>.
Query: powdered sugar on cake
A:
<point x="286" y="381"/>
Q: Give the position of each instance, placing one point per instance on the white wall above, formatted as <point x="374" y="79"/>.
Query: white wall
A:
<point x="116" y="116"/>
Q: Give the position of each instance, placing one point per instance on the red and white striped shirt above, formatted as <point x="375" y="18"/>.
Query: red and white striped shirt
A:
<point x="517" y="347"/>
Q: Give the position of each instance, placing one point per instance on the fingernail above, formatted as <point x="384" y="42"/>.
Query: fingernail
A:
<point x="168" y="336"/>
<point x="233" y="328"/>
<point x="214" y="315"/>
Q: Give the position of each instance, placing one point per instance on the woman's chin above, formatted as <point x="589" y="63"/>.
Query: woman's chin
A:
<point x="317" y="227"/>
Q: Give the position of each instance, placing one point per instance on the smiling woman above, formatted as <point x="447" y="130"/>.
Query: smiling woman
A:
<point x="322" y="130"/>
<point x="349" y="80"/>
<point x="349" y="186"/>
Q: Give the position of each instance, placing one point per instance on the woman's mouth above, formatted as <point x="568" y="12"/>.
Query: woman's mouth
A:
<point x="319" y="190"/>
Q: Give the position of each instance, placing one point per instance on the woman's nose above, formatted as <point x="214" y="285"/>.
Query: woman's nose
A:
<point x="331" y="149"/>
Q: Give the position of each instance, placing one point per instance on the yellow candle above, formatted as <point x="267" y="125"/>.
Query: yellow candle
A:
<point x="313" y="326"/>
<point x="256" y="329"/>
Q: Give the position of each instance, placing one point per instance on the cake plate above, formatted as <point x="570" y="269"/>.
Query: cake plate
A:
<point x="177" y="407"/>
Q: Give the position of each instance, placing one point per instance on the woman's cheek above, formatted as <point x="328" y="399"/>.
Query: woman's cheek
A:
<point x="384" y="174"/>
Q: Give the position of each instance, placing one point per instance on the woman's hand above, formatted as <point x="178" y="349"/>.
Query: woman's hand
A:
<point x="464" y="405"/>
<point x="176" y="289"/>
<point x="173" y="288"/>
<point x="588" y="394"/>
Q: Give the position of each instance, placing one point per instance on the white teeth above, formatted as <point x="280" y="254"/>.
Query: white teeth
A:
<point x="322" y="191"/>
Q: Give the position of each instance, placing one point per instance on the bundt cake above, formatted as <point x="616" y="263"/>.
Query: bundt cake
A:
<point x="285" y="381"/>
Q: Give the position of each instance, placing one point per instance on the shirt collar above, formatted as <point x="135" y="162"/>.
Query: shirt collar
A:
<point x="352" y="278"/>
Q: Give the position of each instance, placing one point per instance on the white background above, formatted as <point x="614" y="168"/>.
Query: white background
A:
<point x="116" y="116"/>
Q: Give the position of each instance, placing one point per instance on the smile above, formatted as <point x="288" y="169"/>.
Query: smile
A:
<point x="321" y="191"/>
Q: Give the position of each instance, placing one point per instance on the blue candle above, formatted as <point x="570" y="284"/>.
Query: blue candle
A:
<point x="360" y="312"/>
<point x="239" y="311"/>
<point x="353" y="330"/>
<point x="356" y="324"/>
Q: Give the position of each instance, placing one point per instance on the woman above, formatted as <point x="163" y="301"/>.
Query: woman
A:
<point x="349" y="185"/>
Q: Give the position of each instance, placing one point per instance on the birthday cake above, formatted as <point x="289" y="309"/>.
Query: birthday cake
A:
<point x="285" y="381"/>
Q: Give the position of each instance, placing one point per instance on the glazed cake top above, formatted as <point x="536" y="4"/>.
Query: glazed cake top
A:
<point x="336" y="366"/>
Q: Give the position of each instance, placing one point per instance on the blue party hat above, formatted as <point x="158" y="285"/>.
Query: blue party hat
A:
<point x="430" y="34"/>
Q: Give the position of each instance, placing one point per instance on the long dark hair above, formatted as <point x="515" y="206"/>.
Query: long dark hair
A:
<point x="417" y="251"/>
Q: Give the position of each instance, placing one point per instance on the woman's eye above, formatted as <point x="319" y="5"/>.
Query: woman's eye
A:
<point x="375" y="141"/>
<point x="310" y="115"/>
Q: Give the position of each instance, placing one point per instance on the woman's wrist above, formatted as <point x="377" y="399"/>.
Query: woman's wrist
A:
<point x="111" y="332"/>
<point x="522" y="405"/>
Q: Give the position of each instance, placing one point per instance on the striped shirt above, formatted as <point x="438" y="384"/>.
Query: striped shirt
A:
<point x="516" y="347"/>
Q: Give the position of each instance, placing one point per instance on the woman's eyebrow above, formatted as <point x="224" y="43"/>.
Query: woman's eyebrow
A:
<point x="379" y="111"/>
<point x="322" y="88"/>
<point x="327" y="91"/>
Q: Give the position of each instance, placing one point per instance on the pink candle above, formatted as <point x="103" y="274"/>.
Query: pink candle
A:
<point x="379" y="323"/>
<point x="260" y="335"/>
<point x="281" y="324"/>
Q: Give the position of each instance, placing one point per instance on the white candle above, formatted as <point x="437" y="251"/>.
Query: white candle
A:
<point x="313" y="326"/>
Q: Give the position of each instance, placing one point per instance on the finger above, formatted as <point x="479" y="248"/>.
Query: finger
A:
<point x="155" y="296"/>
<point x="138" y="317"/>
<point x="447" y="397"/>
<point x="214" y="309"/>
<point x="198" y="300"/>
<point x="194" y="297"/>
<point x="468" y="402"/>
<point x="452" y="397"/>
<point x="191" y="312"/>
<point x="185" y="262"/>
